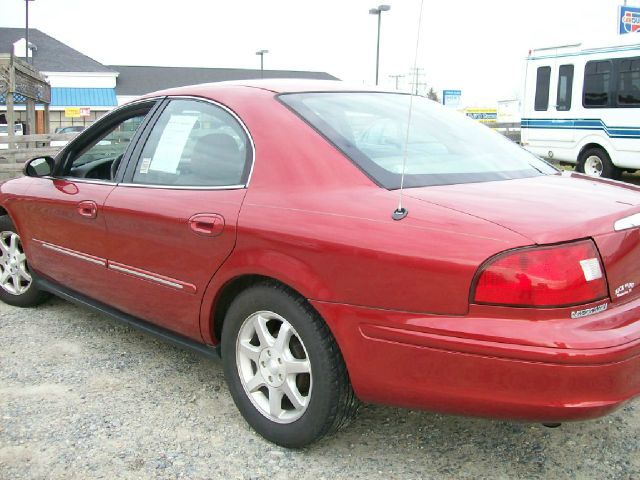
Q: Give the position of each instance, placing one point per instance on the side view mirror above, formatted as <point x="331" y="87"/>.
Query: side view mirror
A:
<point x="39" y="167"/>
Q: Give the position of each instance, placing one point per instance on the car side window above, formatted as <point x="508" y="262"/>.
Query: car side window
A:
<point x="100" y="157"/>
<point x="194" y="143"/>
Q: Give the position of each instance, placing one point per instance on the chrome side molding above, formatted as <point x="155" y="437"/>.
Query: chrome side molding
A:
<point x="121" y="268"/>
<point x="73" y="253"/>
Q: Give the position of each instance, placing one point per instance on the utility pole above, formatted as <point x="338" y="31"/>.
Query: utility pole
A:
<point x="396" y="77"/>
<point x="417" y="73"/>
<point x="26" y="28"/>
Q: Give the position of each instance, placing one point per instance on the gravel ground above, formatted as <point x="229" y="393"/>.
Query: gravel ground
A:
<point x="82" y="396"/>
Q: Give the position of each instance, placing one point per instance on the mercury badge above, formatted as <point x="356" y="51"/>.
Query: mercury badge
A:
<point x="589" y="311"/>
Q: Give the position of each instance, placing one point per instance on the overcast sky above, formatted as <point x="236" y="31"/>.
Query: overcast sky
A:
<point x="475" y="46"/>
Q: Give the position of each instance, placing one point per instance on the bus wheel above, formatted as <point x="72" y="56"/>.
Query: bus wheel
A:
<point x="595" y="162"/>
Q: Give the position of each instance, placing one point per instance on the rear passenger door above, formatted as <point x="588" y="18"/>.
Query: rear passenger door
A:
<point x="172" y="221"/>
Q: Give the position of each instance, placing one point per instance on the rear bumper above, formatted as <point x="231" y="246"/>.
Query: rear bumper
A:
<point x="536" y="370"/>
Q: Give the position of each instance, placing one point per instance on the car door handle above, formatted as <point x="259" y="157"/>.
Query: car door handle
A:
<point x="88" y="209"/>
<point x="209" y="224"/>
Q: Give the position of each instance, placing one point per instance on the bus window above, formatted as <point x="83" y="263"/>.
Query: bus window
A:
<point x="629" y="82"/>
<point x="542" y="89"/>
<point x="565" y="86"/>
<point x="597" y="78"/>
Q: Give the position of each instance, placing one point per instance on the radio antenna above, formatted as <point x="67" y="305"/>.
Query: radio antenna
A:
<point x="401" y="212"/>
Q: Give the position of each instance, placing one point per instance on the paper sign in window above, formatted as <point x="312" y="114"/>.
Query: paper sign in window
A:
<point x="172" y="142"/>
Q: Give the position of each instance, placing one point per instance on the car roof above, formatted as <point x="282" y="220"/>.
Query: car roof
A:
<point x="275" y="85"/>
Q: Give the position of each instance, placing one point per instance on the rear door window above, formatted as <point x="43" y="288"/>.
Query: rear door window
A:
<point x="195" y="143"/>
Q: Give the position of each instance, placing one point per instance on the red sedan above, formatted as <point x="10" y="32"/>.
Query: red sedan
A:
<point x="265" y="221"/>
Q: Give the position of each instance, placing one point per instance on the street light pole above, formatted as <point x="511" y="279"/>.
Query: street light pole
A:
<point x="378" y="11"/>
<point x="261" y="53"/>
<point x="378" y="46"/>
<point x="26" y="33"/>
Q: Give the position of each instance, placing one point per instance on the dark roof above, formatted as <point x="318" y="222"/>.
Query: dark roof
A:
<point x="134" y="80"/>
<point x="51" y="55"/>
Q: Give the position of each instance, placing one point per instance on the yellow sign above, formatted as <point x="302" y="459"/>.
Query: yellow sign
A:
<point x="483" y="115"/>
<point x="72" y="112"/>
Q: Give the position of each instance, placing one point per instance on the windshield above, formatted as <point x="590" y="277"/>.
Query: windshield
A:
<point x="442" y="146"/>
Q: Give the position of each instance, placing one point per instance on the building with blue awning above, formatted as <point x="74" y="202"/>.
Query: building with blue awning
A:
<point x="82" y="89"/>
<point x="81" y="97"/>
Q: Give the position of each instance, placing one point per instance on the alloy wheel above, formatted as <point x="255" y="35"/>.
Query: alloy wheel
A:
<point x="274" y="367"/>
<point x="14" y="274"/>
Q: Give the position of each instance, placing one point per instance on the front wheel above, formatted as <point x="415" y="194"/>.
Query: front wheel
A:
<point x="16" y="283"/>
<point x="283" y="367"/>
<point x="595" y="162"/>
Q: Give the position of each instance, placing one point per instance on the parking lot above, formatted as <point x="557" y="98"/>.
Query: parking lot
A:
<point x="84" y="397"/>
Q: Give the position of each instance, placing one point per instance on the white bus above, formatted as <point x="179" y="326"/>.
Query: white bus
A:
<point x="582" y="106"/>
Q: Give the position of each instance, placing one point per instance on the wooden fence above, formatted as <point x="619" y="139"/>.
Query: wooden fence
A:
<point x="29" y="146"/>
<point x="25" y="147"/>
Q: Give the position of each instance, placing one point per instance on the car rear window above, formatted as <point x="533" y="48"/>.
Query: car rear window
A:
<point x="442" y="147"/>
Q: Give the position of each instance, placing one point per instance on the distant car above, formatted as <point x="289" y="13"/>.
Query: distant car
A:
<point x="18" y="128"/>
<point x="63" y="130"/>
<point x="70" y="129"/>
<point x="330" y="253"/>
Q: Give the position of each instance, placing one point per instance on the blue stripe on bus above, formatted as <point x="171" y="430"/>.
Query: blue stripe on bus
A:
<point x="581" y="124"/>
<point x="590" y="51"/>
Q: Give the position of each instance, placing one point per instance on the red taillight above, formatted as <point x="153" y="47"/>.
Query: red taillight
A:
<point x="554" y="276"/>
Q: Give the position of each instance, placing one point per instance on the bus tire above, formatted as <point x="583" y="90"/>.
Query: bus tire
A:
<point x="596" y="162"/>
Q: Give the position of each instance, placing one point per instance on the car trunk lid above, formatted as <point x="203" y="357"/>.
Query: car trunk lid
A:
<point x="558" y="208"/>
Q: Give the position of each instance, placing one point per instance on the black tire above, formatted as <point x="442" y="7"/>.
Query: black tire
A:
<point x="331" y="402"/>
<point x="607" y="170"/>
<point x="32" y="296"/>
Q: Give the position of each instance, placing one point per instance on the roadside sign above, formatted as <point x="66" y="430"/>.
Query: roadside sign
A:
<point x="451" y="98"/>
<point x="629" y="19"/>
<point x="483" y="115"/>
<point x="72" y="112"/>
<point x="77" y="112"/>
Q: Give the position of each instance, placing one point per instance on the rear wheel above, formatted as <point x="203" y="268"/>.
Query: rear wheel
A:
<point x="16" y="283"/>
<point x="284" y="370"/>
<point x="596" y="162"/>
